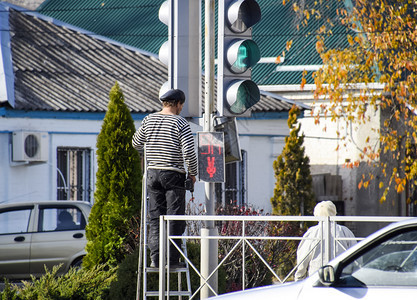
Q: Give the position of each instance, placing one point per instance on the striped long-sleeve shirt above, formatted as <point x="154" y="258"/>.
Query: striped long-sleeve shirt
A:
<point x="169" y="143"/>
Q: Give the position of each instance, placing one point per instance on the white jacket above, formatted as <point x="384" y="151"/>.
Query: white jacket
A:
<point x="311" y="260"/>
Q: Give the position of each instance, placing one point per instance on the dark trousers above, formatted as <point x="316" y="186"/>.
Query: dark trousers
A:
<point x="166" y="194"/>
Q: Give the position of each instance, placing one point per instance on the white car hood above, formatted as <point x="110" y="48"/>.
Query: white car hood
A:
<point x="284" y="291"/>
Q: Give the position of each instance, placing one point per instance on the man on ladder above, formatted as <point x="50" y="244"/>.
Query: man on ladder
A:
<point x="169" y="146"/>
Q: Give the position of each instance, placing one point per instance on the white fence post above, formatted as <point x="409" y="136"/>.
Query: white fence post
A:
<point x="327" y="240"/>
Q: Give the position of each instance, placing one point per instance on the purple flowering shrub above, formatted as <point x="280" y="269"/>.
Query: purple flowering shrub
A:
<point x="280" y="255"/>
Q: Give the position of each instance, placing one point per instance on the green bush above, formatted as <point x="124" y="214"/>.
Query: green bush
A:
<point x="9" y="292"/>
<point x="77" y="284"/>
<point x="125" y="285"/>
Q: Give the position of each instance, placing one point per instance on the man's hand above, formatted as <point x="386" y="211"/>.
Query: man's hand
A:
<point x="189" y="183"/>
<point x="193" y="178"/>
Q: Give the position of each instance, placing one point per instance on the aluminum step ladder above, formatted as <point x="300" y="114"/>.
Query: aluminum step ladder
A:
<point x="144" y="270"/>
<point x="182" y="274"/>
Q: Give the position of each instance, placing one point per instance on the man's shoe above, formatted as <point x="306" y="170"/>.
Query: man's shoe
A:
<point x="154" y="264"/>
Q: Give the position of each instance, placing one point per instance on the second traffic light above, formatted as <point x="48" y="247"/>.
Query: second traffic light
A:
<point x="182" y="52"/>
<point x="237" y="54"/>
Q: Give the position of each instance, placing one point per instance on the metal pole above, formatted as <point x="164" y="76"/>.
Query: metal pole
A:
<point x="209" y="65"/>
<point x="162" y="255"/>
<point x="209" y="247"/>
<point x="142" y="232"/>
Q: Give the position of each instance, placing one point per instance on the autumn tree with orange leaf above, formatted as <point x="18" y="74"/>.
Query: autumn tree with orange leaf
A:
<point x="375" y="73"/>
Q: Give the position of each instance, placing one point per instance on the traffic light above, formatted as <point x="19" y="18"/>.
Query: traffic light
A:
<point x="211" y="156"/>
<point x="237" y="54"/>
<point x="182" y="52"/>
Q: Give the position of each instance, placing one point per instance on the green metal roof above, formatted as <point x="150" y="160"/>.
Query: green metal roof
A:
<point x="132" y="22"/>
<point x="279" y="25"/>
<point x="136" y="23"/>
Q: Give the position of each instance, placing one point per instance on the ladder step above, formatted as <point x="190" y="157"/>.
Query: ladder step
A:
<point x="171" y="293"/>
<point x="171" y="270"/>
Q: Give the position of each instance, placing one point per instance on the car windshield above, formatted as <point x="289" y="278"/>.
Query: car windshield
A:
<point x="393" y="262"/>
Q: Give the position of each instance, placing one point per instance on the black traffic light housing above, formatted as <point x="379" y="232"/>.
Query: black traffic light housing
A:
<point x="237" y="54"/>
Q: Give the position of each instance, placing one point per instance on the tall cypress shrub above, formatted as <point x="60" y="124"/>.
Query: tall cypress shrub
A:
<point x="293" y="194"/>
<point x="118" y="189"/>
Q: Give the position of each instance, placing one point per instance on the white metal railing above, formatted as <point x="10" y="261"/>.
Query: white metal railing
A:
<point x="247" y="240"/>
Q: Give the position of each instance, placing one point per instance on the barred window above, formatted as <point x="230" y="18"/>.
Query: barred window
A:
<point x="233" y="190"/>
<point x="74" y="174"/>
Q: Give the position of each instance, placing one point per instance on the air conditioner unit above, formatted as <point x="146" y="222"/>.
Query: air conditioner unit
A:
<point x="30" y="146"/>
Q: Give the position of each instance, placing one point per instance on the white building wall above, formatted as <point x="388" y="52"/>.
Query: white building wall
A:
<point x="329" y="153"/>
<point x="263" y="140"/>
<point x="22" y="181"/>
<point x="19" y="181"/>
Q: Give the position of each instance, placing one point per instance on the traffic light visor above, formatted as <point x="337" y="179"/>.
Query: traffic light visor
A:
<point x="241" y="95"/>
<point x="164" y="54"/>
<point x="164" y="12"/>
<point x="243" y="14"/>
<point x="242" y="55"/>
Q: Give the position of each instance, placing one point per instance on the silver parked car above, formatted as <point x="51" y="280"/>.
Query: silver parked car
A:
<point x="38" y="234"/>
<point x="383" y="266"/>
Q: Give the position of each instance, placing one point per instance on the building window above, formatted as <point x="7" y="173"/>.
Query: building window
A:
<point x="233" y="190"/>
<point x="74" y="180"/>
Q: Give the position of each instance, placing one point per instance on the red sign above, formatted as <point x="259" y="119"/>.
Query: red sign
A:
<point x="211" y="156"/>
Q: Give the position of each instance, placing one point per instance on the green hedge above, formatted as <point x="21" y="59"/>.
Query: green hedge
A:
<point x="77" y="284"/>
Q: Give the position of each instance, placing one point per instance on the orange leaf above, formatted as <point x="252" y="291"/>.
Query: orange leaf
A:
<point x="400" y="188"/>
<point x="303" y="82"/>
<point x="289" y="43"/>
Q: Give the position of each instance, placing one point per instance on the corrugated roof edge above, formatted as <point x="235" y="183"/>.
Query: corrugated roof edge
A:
<point x="77" y="29"/>
<point x="281" y="98"/>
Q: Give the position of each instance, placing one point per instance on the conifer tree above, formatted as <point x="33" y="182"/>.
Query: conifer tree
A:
<point x="293" y="190"/>
<point x="118" y="189"/>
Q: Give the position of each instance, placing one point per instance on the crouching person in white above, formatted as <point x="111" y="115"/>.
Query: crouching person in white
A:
<point x="308" y="260"/>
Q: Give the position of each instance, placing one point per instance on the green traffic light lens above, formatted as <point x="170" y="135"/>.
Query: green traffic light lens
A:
<point x="242" y="95"/>
<point x="243" y="55"/>
<point x="242" y="58"/>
